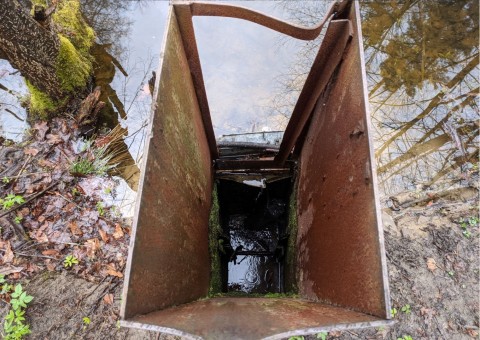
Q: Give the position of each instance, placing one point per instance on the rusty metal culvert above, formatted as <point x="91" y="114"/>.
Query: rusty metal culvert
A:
<point x="324" y="261"/>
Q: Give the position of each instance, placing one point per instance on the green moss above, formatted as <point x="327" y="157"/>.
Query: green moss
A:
<point x="72" y="25"/>
<point x="214" y="232"/>
<point x="40" y="103"/>
<point x="73" y="69"/>
<point x="290" y="270"/>
<point x="74" y="62"/>
<point x="255" y="295"/>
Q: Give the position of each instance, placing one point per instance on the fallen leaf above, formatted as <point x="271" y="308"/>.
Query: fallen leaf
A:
<point x="473" y="333"/>
<point x="50" y="252"/>
<point x="8" y="255"/>
<point x="7" y="270"/>
<point x="50" y="266"/>
<point x="114" y="273"/>
<point x="53" y="139"/>
<point x="75" y="229"/>
<point x="103" y="235"/>
<point x="111" y="270"/>
<point x="45" y="163"/>
<point x="118" y="233"/>
<point x="42" y="129"/>
<point x="92" y="246"/>
<point x="108" y="299"/>
<point x="30" y="151"/>
<point x="431" y="264"/>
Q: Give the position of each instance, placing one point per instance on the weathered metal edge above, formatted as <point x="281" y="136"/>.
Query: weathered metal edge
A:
<point x="339" y="327"/>
<point x="304" y="331"/>
<point x="156" y="328"/>
<point x="373" y="168"/>
<point x="244" y="13"/>
<point x="142" y="170"/>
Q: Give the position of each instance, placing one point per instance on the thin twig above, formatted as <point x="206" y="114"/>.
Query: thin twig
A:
<point x="29" y="199"/>
<point x="34" y="255"/>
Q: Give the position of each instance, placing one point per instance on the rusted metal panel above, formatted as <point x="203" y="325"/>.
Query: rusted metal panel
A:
<point x="329" y="56"/>
<point x="340" y="242"/>
<point x="187" y="36"/>
<point x="168" y="261"/>
<point x="252" y="318"/>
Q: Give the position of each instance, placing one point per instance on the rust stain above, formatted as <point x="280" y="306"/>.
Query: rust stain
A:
<point x="339" y="251"/>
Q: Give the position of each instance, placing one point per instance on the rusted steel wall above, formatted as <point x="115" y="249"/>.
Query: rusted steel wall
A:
<point x="340" y="244"/>
<point x="169" y="263"/>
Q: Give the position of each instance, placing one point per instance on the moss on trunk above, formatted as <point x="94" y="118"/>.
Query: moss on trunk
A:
<point x="73" y="65"/>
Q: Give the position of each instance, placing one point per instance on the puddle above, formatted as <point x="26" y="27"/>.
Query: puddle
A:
<point x="254" y="221"/>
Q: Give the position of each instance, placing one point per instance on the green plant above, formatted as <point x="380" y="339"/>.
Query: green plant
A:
<point x="394" y="312"/>
<point x="297" y="337"/>
<point x="6" y="288"/>
<point x="406" y="309"/>
<point x="6" y="180"/>
<point x="107" y="190"/>
<point x="86" y="321"/>
<point x="322" y="335"/>
<point x="98" y="164"/>
<point x="14" y="327"/>
<point x="405" y="337"/>
<point x="451" y="273"/>
<point x="69" y="261"/>
<point x="18" y="219"/>
<point x="100" y="208"/>
<point x="10" y="200"/>
<point x="471" y="222"/>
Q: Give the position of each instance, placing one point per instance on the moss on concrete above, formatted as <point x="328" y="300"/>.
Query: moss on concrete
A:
<point x="214" y="233"/>
<point x="40" y="103"/>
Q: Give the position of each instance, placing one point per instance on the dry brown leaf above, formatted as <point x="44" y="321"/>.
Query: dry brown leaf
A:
<point x="92" y="246"/>
<point x="108" y="299"/>
<point x="50" y="252"/>
<point x="53" y="139"/>
<point x="42" y="129"/>
<point x="473" y="333"/>
<point x="431" y="264"/>
<point x="118" y="232"/>
<point x="45" y="163"/>
<point x="111" y="270"/>
<point x="8" y="255"/>
<point x="75" y="229"/>
<point x="114" y="273"/>
<point x="50" y="266"/>
<point x="30" y="151"/>
<point x="7" y="270"/>
<point x="103" y="235"/>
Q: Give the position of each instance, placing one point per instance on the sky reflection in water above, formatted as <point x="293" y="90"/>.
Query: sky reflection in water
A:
<point x="422" y="72"/>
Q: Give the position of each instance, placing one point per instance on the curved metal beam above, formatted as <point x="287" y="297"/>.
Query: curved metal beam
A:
<point x="238" y="12"/>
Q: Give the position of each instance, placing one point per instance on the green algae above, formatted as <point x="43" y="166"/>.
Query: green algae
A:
<point x="214" y="233"/>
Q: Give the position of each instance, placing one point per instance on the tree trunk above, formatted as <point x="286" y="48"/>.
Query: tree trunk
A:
<point x="30" y="48"/>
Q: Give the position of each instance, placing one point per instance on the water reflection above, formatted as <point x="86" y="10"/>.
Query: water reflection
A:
<point x="423" y="77"/>
<point x="421" y="61"/>
<point x="422" y="65"/>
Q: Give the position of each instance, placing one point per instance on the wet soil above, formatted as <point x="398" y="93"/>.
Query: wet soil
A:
<point x="433" y="267"/>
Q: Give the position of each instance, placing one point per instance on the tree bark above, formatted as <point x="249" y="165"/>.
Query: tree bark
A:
<point x="30" y="48"/>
